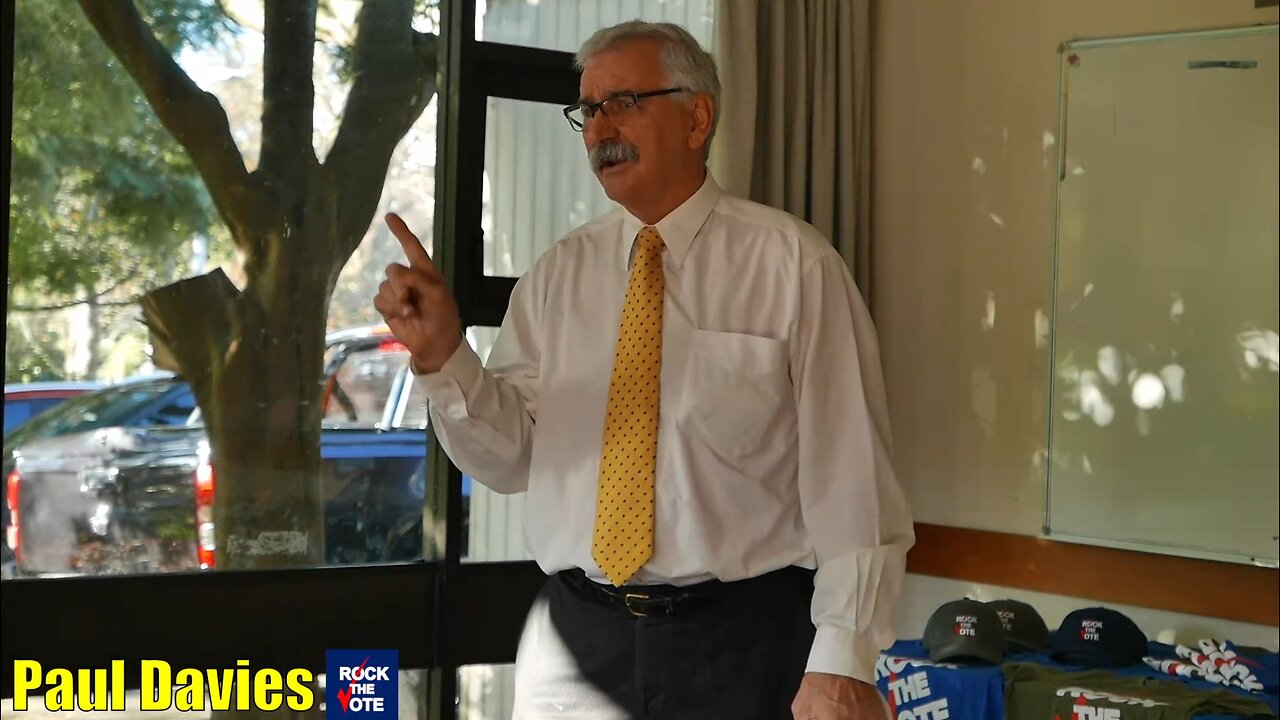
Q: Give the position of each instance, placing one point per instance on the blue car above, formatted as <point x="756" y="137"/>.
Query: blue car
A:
<point x="26" y="400"/>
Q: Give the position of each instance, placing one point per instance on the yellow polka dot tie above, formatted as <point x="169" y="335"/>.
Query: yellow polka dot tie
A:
<point x="623" y="539"/>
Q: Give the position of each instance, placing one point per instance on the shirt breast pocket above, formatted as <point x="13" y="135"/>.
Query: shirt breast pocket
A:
<point x="738" y="386"/>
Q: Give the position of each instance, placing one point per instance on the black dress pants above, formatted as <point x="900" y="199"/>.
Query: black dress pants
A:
<point x="728" y="651"/>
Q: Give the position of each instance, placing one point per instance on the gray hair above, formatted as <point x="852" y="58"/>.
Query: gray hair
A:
<point x="687" y="64"/>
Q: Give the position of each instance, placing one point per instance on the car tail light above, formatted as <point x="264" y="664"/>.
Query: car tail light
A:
<point x="206" y="542"/>
<point x="391" y="345"/>
<point x="13" y="496"/>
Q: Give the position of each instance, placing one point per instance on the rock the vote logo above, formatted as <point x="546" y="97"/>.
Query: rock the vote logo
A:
<point x="362" y="684"/>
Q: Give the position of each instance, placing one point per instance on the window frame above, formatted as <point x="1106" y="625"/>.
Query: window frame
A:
<point x="439" y="613"/>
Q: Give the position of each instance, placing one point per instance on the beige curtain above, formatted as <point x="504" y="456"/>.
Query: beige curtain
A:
<point x="795" y="115"/>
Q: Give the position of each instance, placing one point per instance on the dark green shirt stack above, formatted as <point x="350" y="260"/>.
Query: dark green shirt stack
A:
<point x="1036" y="692"/>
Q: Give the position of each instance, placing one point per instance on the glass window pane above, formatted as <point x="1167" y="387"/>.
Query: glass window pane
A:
<point x="250" y="409"/>
<point x="414" y="411"/>
<point x="486" y="692"/>
<point x="537" y="184"/>
<point x="526" y="209"/>
<point x="566" y="25"/>
<point x="356" y="393"/>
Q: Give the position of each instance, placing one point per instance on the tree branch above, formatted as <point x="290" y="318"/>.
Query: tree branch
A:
<point x="191" y="329"/>
<point x="222" y="5"/>
<point x="194" y="117"/>
<point x="288" y="92"/>
<point x="70" y="304"/>
<point x="395" y="77"/>
<point x="129" y="275"/>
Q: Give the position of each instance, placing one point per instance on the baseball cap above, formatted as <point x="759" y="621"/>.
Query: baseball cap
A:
<point x="1024" y="629"/>
<point x="964" y="631"/>
<point x="1098" y="637"/>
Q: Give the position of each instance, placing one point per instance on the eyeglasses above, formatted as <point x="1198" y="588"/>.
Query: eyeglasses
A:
<point x="614" y="107"/>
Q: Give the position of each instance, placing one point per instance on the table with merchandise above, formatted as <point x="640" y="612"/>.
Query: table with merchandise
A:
<point x="995" y="660"/>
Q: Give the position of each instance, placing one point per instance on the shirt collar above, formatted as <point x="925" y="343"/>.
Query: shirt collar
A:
<point x="680" y="226"/>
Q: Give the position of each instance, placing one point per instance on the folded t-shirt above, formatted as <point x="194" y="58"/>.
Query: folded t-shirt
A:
<point x="1036" y="692"/>
<point x="917" y="689"/>
<point x="1264" y="664"/>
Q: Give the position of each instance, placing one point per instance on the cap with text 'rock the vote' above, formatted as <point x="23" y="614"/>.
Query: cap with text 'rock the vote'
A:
<point x="965" y="631"/>
<point x="1098" y="637"/>
<point x="1024" y="629"/>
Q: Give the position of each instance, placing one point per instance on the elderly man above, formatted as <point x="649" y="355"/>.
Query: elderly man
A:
<point x="688" y="388"/>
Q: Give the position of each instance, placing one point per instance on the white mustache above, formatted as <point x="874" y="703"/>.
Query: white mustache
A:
<point x="611" y="152"/>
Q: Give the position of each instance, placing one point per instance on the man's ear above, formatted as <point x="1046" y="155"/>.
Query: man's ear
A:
<point x="703" y="112"/>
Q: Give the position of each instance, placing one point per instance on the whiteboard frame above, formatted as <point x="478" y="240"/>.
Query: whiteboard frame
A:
<point x="1064" y="49"/>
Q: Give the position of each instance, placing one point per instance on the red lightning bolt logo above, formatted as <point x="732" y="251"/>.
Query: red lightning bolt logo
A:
<point x="344" y="696"/>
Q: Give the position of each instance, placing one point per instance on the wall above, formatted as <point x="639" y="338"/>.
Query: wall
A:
<point x="965" y="98"/>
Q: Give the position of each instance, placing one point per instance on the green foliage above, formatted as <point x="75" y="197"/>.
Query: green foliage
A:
<point x="101" y="195"/>
<point x="32" y="352"/>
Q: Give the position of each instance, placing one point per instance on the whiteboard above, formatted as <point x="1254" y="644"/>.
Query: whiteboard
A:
<point x="1165" y="354"/>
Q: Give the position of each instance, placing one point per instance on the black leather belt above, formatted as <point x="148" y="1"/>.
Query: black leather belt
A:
<point x="667" y="600"/>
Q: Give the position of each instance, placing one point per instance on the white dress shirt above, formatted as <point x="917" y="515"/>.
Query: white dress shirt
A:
<point x="773" y="437"/>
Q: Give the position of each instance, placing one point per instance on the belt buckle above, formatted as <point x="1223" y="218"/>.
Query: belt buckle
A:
<point x="635" y="610"/>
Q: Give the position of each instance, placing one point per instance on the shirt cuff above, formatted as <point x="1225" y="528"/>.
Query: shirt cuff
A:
<point x="446" y="388"/>
<point x="838" y="651"/>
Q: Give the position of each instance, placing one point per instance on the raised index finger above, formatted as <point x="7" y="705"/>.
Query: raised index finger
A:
<point x="413" y="249"/>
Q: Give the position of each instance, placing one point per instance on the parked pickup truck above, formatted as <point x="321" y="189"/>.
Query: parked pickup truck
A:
<point x="122" y="480"/>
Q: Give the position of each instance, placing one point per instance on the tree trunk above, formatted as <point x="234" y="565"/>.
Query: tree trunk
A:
<point x="94" y="367"/>
<point x="265" y="439"/>
<point x="253" y="357"/>
<point x="83" y="234"/>
<point x="254" y="361"/>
